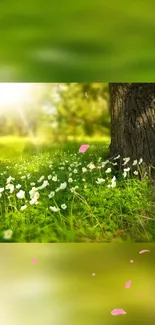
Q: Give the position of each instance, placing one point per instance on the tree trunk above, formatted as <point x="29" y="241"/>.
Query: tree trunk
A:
<point x="132" y="107"/>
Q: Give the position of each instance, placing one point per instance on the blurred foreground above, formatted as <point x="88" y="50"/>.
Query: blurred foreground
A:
<point x="90" y="40"/>
<point x="60" y="289"/>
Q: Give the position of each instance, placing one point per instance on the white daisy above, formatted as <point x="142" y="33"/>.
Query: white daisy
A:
<point x="51" y="195"/>
<point x="64" y="206"/>
<point x="8" y="234"/>
<point x="135" y="162"/>
<point x="100" y="180"/>
<point x="54" y="209"/>
<point x="63" y="186"/>
<point x="108" y="170"/>
<point x="18" y="186"/>
<point x="23" y="207"/>
<point x="21" y="194"/>
<point x="54" y="178"/>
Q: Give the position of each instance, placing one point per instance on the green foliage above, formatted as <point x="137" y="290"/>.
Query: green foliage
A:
<point x="60" y="112"/>
<point x="78" y="114"/>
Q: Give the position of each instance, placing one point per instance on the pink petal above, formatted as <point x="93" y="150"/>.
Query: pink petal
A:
<point x="118" y="312"/>
<point x="143" y="251"/>
<point x="84" y="147"/>
<point x="93" y="274"/>
<point x="34" y="261"/>
<point x="131" y="261"/>
<point x="128" y="284"/>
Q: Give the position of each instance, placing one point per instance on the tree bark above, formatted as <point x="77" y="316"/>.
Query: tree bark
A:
<point x="132" y="107"/>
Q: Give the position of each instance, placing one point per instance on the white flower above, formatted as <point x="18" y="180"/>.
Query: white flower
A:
<point x="33" y="201"/>
<point x="125" y="174"/>
<point x="127" y="169"/>
<point x="126" y="160"/>
<point x="75" y="171"/>
<point x="10" y="187"/>
<point x="135" y="162"/>
<point x="51" y="195"/>
<point x="18" y="186"/>
<point x="64" y="206"/>
<point x="54" y="209"/>
<point x="113" y="182"/>
<point x="100" y="180"/>
<point x="21" y="194"/>
<point x="41" y="179"/>
<point x="63" y="186"/>
<point x="70" y="174"/>
<point x="140" y="161"/>
<point x="84" y="169"/>
<point x="23" y="177"/>
<point x="108" y="170"/>
<point x="36" y="195"/>
<point x="135" y="172"/>
<point x="54" y="178"/>
<point x="23" y="207"/>
<point x="73" y="189"/>
<point x="104" y="163"/>
<point x="45" y="183"/>
<point x="49" y="177"/>
<point x="1" y="189"/>
<point x="91" y="166"/>
<point x="117" y="157"/>
<point x="8" y="234"/>
<point x="9" y="179"/>
<point x="83" y="179"/>
<point x="70" y="180"/>
<point x="32" y="192"/>
<point x="57" y="189"/>
<point x="32" y="184"/>
<point x="114" y="164"/>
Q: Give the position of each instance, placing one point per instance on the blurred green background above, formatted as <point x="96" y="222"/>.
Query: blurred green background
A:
<point x="77" y="41"/>
<point x="60" y="289"/>
<point x="34" y="116"/>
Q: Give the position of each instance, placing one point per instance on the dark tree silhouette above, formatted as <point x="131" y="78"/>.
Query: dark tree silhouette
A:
<point x="132" y="107"/>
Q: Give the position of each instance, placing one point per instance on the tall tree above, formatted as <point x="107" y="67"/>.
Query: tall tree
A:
<point x="132" y="107"/>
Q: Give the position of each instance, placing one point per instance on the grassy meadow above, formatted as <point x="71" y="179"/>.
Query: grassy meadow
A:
<point x="52" y="193"/>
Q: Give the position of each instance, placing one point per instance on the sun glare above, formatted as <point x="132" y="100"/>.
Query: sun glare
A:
<point x="14" y="93"/>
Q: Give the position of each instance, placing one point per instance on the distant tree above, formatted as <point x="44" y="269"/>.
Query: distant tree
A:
<point x="83" y="109"/>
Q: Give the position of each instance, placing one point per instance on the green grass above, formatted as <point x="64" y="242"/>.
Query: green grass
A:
<point x="94" y="213"/>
